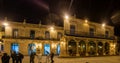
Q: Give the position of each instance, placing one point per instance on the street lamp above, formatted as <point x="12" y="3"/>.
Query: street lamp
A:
<point x="5" y="24"/>
<point x="86" y="20"/>
<point x="103" y="24"/>
<point x="66" y="17"/>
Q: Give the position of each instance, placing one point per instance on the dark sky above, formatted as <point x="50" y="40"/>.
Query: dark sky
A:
<point x="36" y="10"/>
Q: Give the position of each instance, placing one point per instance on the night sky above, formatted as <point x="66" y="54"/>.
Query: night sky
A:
<point x="35" y="10"/>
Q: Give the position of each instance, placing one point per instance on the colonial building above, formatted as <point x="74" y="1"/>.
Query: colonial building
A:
<point x="76" y="38"/>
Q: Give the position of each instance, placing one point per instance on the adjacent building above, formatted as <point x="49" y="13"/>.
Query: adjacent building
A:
<point x="76" y="37"/>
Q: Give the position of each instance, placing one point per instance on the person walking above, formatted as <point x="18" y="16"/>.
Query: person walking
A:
<point x="47" y="57"/>
<point x="32" y="57"/>
<point x="13" y="56"/>
<point x="51" y="57"/>
<point x="5" y="58"/>
<point x="19" y="58"/>
<point x="39" y="57"/>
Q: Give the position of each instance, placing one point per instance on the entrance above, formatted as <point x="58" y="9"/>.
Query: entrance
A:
<point x="31" y="48"/>
<point x="72" y="48"/>
<point x="47" y="49"/>
<point x="15" y="47"/>
<point x="58" y="49"/>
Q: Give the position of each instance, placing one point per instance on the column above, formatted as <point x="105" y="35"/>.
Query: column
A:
<point x="104" y="49"/>
<point x="87" y="49"/>
<point x="97" y="49"/>
<point x="7" y="46"/>
<point x="77" y="52"/>
<point x="62" y="49"/>
<point x="22" y="49"/>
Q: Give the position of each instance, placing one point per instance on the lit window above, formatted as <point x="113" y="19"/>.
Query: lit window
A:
<point x="72" y="29"/>
<point x="15" y="47"/>
<point x="32" y="34"/>
<point x="59" y="35"/>
<point x="15" y="33"/>
<point x="91" y="31"/>
<point x="47" y="35"/>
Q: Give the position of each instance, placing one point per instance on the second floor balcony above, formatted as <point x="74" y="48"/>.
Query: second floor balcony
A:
<point x="36" y="38"/>
<point x="87" y="35"/>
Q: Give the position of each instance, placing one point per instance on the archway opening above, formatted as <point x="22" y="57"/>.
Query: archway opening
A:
<point x="92" y="48"/>
<point x="31" y="48"/>
<point x="58" y="49"/>
<point x="72" y="48"/>
<point x="107" y="45"/>
<point x="100" y="48"/>
<point x="82" y="48"/>
<point x="46" y="49"/>
<point x="15" y="47"/>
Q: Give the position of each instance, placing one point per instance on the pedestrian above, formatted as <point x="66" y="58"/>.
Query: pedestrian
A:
<point x="13" y="56"/>
<point x="32" y="57"/>
<point x="51" y="57"/>
<point x="39" y="57"/>
<point x="5" y="58"/>
<point x="47" y="57"/>
<point x="19" y="58"/>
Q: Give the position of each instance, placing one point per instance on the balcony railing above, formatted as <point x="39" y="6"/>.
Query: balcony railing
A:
<point x="36" y="38"/>
<point x="87" y="35"/>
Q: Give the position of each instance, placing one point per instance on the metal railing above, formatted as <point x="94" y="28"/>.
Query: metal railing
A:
<point x="87" y="34"/>
<point x="36" y="38"/>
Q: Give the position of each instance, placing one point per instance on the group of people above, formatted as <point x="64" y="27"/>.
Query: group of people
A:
<point x="16" y="57"/>
<point x="49" y="57"/>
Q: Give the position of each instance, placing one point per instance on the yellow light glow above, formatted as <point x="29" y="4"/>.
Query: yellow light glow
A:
<point x="53" y="45"/>
<point x="66" y="17"/>
<point x="86" y="21"/>
<point x="51" y="28"/>
<point x="5" y="24"/>
<point x="39" y="45"/>
<point x="103" y="25"/>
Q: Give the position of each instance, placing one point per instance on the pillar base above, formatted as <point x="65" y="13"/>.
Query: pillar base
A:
<point x="97" y="54"/>
<point x="77" y="55"/>
<point x="87" y="54"/>
<point x="104" y="54"/>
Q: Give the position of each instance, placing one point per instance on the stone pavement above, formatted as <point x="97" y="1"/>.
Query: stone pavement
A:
<point x="105" y="59"/>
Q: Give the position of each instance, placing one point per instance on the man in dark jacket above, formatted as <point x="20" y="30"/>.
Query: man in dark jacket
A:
<point x="5" y="58"/>
<point x="13" y="56"/>
<point x="19" y="58"/>
<point x="51" y="57"/>
<point x="32" y="57"/>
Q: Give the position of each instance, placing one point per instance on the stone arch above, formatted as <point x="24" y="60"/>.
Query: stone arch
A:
<point x="31" y="48"/>
<point x="72" y="46"/>
<point x="107" y="48"/>
<point x="82" y="48"/>
<point x="100" y="48"/>
<point x="15" y="47"/>
<point x="91" y="48"/>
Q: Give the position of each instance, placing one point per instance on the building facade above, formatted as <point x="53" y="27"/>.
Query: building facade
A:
<point x="76" y="38"/>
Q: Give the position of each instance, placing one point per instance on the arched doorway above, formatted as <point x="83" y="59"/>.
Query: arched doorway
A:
<point x="82" y="48"/>
<point x="92" y="48"/>
<point x="58" y="49"/>
<point x="31" y="48"/>
<point x="46" y="49"/>
<point x="100" y="48"/>
<point x="107" y="48"/>
<point x="72" y="48"/>
<point x="15" y="47"/>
